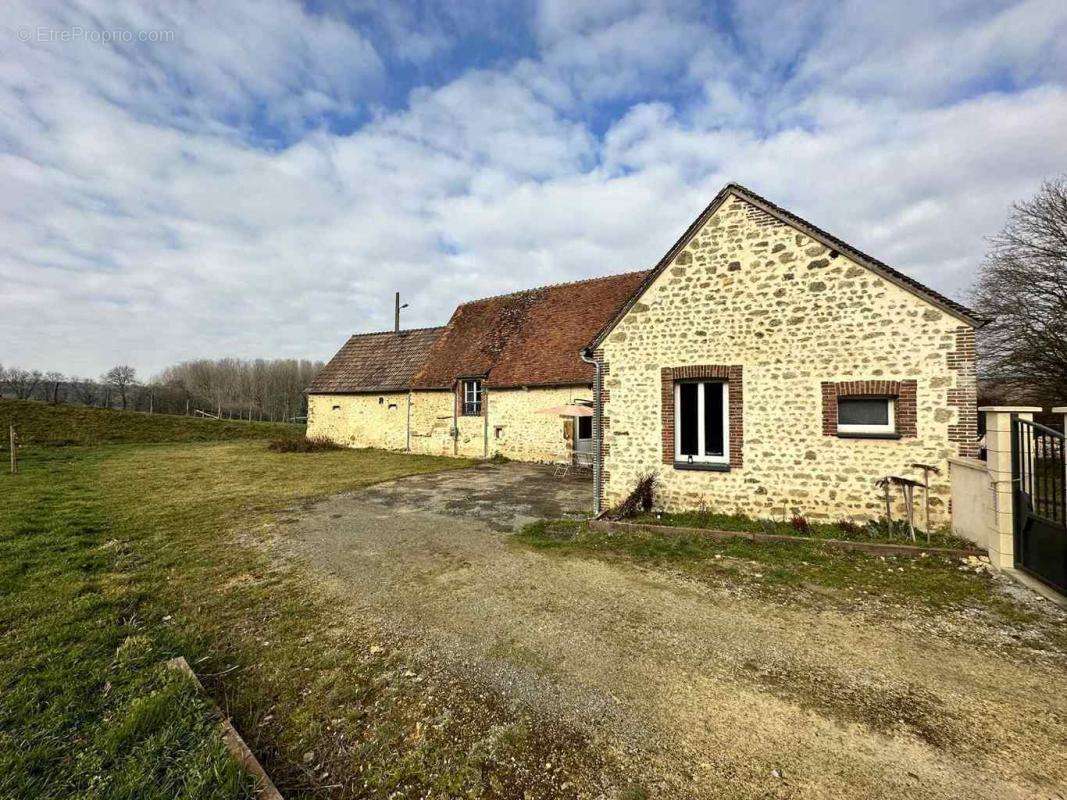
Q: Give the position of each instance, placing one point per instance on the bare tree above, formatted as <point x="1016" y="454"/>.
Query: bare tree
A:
<point x="53" y="385"/>
<point x="260" y="389"/>
<point x="84" y="390"/>
<point x="121" y="378"/>
<point x="23" y="382"/>
<point x="1022" y="289"/>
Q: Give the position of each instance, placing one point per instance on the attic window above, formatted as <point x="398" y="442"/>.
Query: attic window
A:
<point x="381" y="400"/>
<point x="336" y="408"/>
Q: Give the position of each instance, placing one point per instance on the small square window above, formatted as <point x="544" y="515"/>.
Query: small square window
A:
<point x="871" y="415"/>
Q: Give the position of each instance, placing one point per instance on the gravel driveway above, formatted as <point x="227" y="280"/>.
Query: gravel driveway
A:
<point x="690" y="690"/>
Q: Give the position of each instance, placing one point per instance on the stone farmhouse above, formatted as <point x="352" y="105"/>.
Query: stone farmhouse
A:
<point x="763" y="366"/>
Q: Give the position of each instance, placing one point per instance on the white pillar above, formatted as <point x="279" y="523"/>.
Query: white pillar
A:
<point x="1061" y="410"/>
<point x="998" y="462"/>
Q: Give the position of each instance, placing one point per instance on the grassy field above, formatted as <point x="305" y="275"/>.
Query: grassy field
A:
<point x="41" y="423"/>
<point x="113" y="559"/>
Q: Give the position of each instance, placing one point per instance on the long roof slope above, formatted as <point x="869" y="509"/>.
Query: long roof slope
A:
<point x="529" y="338"/>
<point x="376" y="362"/>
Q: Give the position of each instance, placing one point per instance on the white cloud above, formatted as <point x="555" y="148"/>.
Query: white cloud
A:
<point x="143" y="219"/>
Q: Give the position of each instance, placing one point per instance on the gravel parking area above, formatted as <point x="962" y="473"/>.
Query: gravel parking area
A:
<point x="690" y="690"/>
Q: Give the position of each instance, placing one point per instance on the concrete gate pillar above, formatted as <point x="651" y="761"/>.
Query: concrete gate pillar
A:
<point x="998" y="462"/>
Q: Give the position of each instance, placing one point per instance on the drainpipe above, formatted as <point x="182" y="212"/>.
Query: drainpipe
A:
<point x="485" y="421"/>
<point x="455" y="420"/>
<point x="598" y="412"/>
<point x="408" y="438"/>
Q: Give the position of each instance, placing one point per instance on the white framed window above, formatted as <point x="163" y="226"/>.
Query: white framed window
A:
<point x="472" y="398"/>
<point x="866" y="415"/>
<point x="701" y="422"/>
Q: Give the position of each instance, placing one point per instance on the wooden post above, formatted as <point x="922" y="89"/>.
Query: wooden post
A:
<point x="888" y="506"/>
<point x="13" y="440"/>
<point x="909" y="506"/>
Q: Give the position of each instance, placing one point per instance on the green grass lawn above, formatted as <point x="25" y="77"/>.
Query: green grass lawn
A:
<point x="42" y="423"/>
<point x="786" y="569"/>
<point x="117" y="557"/>
<point x="869" y="532"/>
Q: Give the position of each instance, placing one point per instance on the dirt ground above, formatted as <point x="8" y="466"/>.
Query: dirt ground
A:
<point x="690" y="690"/>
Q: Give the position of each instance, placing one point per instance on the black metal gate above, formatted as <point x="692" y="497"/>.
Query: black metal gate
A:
<point x="1040" y="497"/>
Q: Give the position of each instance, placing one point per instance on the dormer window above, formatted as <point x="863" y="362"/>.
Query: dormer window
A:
<point x="472" y="398"/>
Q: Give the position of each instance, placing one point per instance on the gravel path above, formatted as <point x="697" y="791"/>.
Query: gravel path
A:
<point x="690" y="691"/>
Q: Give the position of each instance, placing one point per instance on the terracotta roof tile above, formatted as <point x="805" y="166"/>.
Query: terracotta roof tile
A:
<point x="376" y="362"/>
<point x="529" y="338"/>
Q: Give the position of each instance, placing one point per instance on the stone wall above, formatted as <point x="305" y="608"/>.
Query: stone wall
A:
<point x="431" y="423"/>
<point x="359" y="420"/>
<point x="525" y="435"/>
<point x="751" y="292"/>
<point x="514" y="428"/>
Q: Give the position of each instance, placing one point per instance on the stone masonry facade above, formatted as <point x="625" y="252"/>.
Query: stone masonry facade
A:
<point x="752" y="295"/>
<point x="513" y="428"/>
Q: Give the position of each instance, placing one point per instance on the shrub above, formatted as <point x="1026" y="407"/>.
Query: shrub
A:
<point x="848" y="527"/>
<point x="800" y="524"/>
<point x="641" y="498"/>
<point x="302" y="445"/>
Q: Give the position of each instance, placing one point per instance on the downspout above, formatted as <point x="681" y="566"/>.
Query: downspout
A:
<point x="408" y="437"/>
<point x="485" y="421"/>
<point x="455" y="421"/>
<point x="598" y="412"/>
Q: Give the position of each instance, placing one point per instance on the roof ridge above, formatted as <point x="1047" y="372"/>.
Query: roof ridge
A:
<point x="402" y="330"/>
<point x="552" y="286"/>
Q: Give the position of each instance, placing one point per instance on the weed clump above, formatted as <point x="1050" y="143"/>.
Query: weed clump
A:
<point x="302" y="445"/>
<point x="641" y="499"/>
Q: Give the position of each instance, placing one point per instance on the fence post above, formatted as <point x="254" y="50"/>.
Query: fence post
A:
<point x="998" y="461"/>
<point x="13" y="441"/>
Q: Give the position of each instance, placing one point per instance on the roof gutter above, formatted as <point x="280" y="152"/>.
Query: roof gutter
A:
<point x="598" y="416"/>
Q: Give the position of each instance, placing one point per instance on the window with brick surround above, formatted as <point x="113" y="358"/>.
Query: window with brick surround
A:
<point x="869" y="409"/>
<point x="702" y="423"/>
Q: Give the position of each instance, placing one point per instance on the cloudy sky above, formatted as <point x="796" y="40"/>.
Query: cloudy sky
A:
<point x="203" y="179"/>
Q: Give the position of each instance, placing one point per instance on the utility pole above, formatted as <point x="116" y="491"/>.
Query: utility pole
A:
<point x="396" y="318"/>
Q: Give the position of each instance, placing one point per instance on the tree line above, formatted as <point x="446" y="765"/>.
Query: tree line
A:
<point x="232" y="388"/>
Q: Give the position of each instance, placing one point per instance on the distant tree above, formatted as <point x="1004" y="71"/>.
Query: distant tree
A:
<point x="83" y="390"/>
<point x="23" y="382"/>
<point x="1022" y="289"/>
<point x="121" y="379"/>
<point x="53" y="385"/>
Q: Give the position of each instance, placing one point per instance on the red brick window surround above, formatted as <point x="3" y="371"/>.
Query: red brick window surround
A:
<point x="902" y="392"/>
<point x="733" y="376"/>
